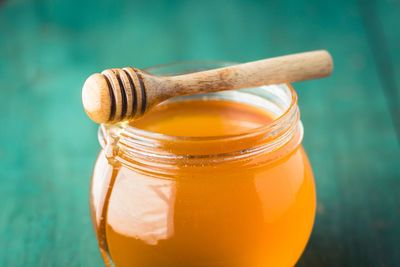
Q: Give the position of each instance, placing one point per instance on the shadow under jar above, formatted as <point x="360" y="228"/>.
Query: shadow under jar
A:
<point x="244" y="198"/>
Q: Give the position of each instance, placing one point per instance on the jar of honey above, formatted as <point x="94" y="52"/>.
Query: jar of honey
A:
<point x="217" y="179"/>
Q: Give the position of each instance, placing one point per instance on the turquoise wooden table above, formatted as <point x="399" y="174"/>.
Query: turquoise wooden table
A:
<point x="48" y="145"/>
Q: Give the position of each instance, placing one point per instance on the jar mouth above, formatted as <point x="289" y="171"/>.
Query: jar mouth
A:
<point x="264" y="128"/>
<point x="279" y="99"/>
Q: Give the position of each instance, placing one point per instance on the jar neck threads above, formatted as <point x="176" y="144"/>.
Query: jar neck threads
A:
<point x="131" y="145"/>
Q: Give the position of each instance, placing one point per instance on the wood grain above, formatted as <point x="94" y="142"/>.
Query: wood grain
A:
<point x="152" y="89"/>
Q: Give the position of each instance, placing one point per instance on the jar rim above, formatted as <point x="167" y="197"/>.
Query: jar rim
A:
<point x="159" y="136"/>
<point x="138" y="143"/>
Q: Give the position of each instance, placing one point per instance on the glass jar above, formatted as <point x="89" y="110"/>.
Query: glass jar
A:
<point x="240" y="200"/>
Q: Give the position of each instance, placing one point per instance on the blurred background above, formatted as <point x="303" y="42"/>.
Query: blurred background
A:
<point x="48" y="145"/>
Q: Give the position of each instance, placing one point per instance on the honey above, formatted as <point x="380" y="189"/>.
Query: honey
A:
<point x="203" y="118"/>
<point x="212" y="184"/>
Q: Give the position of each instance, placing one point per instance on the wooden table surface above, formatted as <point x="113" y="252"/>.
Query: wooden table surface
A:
<point x="48" y="145"/>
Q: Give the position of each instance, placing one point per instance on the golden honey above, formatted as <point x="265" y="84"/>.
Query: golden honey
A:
<point x="216" y="180"/>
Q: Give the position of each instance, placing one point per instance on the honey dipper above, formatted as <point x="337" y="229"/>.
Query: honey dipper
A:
<point x="126" y="94"/>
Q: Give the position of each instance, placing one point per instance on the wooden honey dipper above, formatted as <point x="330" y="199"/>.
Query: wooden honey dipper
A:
<point x="126" y="94"/>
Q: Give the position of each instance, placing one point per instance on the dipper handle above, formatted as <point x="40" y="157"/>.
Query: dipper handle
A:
<point x="125" y="94"/>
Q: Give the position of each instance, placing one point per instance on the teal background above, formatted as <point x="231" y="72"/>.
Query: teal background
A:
<point x="48" y="145"/>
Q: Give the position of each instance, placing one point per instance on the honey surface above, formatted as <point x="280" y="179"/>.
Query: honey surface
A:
<point x="203" y="118"/>
<point x="236" y="217"/>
